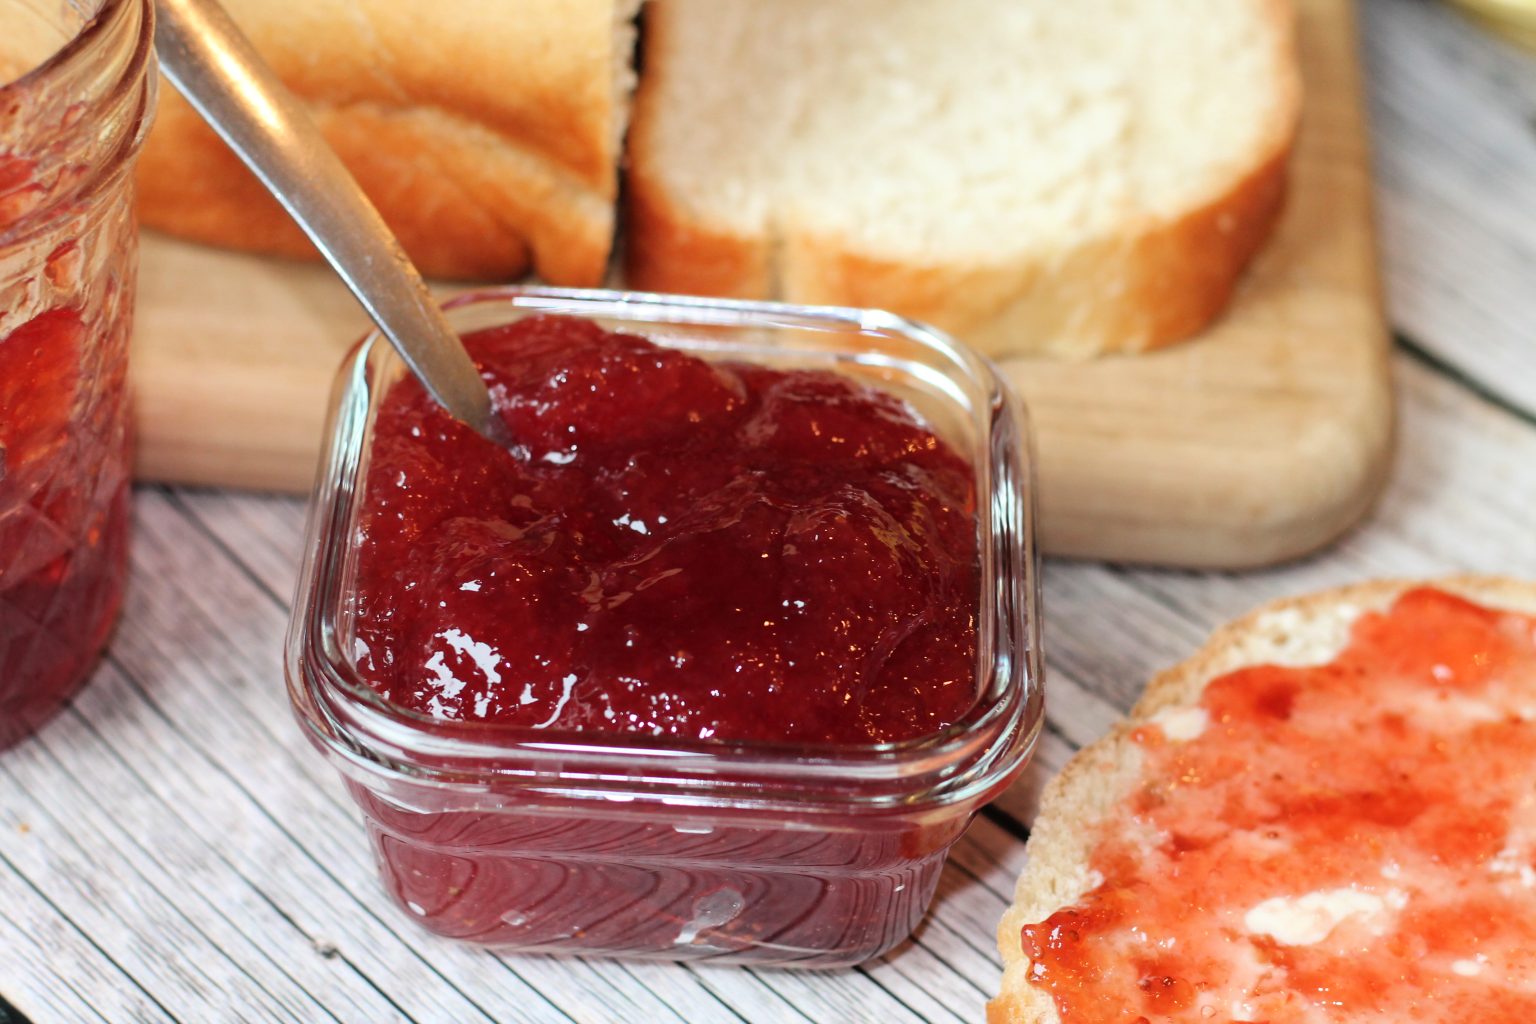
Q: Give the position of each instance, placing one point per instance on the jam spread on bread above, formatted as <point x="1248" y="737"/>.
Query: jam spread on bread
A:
<point x="671" y="547"/>
<point x="1353" y="841"/>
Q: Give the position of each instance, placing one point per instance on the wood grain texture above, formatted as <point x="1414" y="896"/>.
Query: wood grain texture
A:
<point x="1261" y="440"/>
<point x="1457" y="188"/>
<point x="232" y="362"/>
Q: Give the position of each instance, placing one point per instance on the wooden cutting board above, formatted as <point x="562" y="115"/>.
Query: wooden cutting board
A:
<point x="1261" y="440"/>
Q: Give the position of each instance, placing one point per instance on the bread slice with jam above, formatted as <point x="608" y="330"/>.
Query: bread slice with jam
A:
<point x="1328" y="814"/>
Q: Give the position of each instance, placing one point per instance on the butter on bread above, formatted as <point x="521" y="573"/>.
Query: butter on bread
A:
<point x="1091" y="790"/>
<point x="1036" y="177"/>
<point x="488" y="134"/>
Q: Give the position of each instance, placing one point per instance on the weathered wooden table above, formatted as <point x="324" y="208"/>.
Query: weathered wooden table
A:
<point x="171" y="849"/>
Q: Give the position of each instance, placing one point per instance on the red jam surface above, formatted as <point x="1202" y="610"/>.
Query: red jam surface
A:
<point x="1354" y="841"/>
<point x="673" y="547"/>
<point x="63" y="513"/>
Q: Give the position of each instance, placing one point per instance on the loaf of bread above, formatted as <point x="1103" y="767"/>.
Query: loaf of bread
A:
<point x="1036" y="177"/>
<point x="1262" y="841"/>
<point x="488" y="135"/>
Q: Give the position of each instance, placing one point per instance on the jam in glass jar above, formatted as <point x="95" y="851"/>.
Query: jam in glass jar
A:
<point x="76" y="100"/>
<point x="666" y="807"/>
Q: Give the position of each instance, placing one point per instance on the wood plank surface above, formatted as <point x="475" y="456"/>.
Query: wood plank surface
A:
<point x="172" y="850"/>
<point x="1263" y="439"/>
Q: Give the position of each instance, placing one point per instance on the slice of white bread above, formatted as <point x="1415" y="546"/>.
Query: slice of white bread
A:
<point x="488" y="136"/>
<point x="1091" y="789"/>
<point x="1031" y="175"/>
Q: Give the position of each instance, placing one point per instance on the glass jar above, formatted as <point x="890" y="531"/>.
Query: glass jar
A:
<point x="78" y="104"/>
<point x="638" y="847"/>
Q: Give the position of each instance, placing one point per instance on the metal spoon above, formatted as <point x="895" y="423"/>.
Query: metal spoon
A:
<point x="214" y="66"/>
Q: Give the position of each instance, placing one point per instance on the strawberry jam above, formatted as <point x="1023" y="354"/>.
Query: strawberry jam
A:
<point x="1353" y="841"/>
<point x="681" y="551"/>
<point x="671" y="547"/>
<point x="691" y="668"/>
<point x="70" y="129"/>
<point x="63" y="510"/>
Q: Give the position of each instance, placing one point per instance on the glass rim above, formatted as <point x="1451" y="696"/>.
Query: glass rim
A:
<point x="350" y="720"/>
<point x="79" y="118"/>
<point x="79" y="45"/>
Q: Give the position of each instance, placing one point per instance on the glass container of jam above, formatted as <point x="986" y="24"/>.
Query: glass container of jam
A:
<point x="809" y="853"/>
<point x="78" y="99"/>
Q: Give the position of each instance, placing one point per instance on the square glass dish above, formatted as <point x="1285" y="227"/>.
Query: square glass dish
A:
<point x="812" y="856"/>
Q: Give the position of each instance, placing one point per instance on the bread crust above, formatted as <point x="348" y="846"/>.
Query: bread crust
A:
<point x="1151" y="283"/>
<point x="490" y="144"/>
<point x="1095" y="781"/>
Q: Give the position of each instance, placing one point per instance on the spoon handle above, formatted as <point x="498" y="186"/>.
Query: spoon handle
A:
<point x="210" y="62"/>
